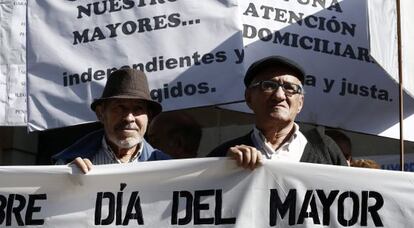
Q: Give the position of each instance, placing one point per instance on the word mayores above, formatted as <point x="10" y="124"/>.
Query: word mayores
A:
<point x="129" y="27"/>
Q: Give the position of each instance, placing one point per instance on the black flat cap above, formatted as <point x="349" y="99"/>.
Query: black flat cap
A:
<point x="274" y="61"/>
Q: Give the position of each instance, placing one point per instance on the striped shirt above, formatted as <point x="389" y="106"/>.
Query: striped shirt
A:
<point x="106" y="155"/>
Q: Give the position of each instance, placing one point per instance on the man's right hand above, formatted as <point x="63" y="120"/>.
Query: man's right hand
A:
<point x="246" y="156"/>
<point x="83" y="164"/>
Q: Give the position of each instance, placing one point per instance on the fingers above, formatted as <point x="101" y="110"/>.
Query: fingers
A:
<point x="246" y="156"/>
<point x="84" y="164"/>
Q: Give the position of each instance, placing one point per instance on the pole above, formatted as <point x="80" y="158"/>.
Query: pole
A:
<point x="400" y="79"/>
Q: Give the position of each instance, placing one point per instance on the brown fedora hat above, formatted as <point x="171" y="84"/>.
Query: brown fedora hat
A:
<point x="128" y="83"/>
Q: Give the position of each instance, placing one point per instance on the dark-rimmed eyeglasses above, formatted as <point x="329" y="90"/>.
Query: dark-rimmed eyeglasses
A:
<point x="271" y="86"/>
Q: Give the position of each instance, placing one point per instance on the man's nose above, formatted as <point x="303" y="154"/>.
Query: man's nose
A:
<point x="129" y="116"/>
<point x="279" y="93"/>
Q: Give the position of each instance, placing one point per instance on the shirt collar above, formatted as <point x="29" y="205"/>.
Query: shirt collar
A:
<point x="265" y="147"/>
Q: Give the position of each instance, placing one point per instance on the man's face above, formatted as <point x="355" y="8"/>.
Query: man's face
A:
<point x="274" y="106"/>
<point x="125" y="121"/>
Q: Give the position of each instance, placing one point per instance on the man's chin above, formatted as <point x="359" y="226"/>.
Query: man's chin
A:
<point x="280" y="117"/>
<point x="128" y="142"/>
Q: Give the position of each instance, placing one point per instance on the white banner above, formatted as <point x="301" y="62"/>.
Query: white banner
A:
<point x="205" y="192"/>
<point x="13" y="111"/>
<point x="407" y="46"/>
<point x="345" y="88"/>
<point x="190" y="50"/>
<point x="384" y="42"/>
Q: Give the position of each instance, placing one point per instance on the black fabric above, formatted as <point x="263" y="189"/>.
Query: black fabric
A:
<point x="320" y="148"/>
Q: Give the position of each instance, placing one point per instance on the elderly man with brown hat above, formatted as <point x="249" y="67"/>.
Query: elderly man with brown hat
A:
<point x="124" y="110"/>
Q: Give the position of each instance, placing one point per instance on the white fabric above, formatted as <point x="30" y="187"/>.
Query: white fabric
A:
<point x="13" y="106"/>
<point x="384" y="39"/>
<point x="216" y="191"/>
<point x="343" y="91"/>
<point x="407" y="46"/>
<point x="185" y="47"/>
<point x="291" y="150"/>
<point x="340" y="71"/>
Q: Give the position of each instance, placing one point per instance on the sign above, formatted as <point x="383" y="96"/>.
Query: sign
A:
<point x="205" y="192"/>
<point x="195" y="54"/>
<point x="191" y="52"/>
<point x="13" y="102"/>
<point x="345" y="87"/>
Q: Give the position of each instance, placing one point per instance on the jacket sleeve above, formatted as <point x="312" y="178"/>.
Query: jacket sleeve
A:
<point x="322" y="149"/>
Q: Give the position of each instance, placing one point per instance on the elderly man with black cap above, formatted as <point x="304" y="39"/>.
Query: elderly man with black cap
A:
<point x="124" y="110"/>
<point x="274" y="92"/>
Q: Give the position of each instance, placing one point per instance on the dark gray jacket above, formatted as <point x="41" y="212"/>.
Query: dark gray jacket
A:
<point x="320" y="148"/>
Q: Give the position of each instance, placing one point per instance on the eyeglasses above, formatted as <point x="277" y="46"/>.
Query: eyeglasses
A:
<point x="271" y="86"/>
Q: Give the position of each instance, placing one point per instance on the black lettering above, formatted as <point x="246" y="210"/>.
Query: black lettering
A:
<point x="190" y="89"/>
<point x="249" y="31"/>
<point x="251" y="9"/>
<point x="86" y="76"/>
<point x="3" y="203"/>
<point x="134" y="203"/>
<point x="81" y="38"/>
<point x="177" y="91"/>
<point x="31" y="208"/>
<point x="159" y="22"/>
<point x="276" y="205"/>
<point x="156" y="94"/>
<point x="111" y="208"/>
<point x="97" y="34"/>
<point x="373" y="210"/>
<point x="128" y="4"/>
<point x="96" y="8"/>
<point x="203" y="88"/>
<point x="217" y="212"/>
<point x="99" y="75"/>
<point x="207" y="58"/>
<point x="129" y="27"/>
<point x="341" y="208"/>
<point x="198" y="207"/>
<point x="171" y="63"/>
<point x="16" y="210"/>
<point x="174" y="20"/>
<point x="221" y="56"/>
<point x="144" y="25"/>
<point x="326" y="203"/>
<point x="82" y="9"/>
<point x="308" y="201"/>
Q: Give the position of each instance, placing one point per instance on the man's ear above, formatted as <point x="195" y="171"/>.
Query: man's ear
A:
<point x="248" y="97"/>
<point x="301" y="101"/>
<point x="98" y="112"/>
